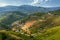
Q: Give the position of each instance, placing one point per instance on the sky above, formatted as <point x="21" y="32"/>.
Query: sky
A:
<point x="42" y="3"/>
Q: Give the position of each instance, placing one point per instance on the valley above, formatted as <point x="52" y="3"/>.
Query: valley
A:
<point x="21" y="23"/>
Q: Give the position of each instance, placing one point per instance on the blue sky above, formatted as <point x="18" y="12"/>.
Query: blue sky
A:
<point x="43" y="3"/>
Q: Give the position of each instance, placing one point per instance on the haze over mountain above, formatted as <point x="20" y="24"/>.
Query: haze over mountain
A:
<point x="27" y="8"/>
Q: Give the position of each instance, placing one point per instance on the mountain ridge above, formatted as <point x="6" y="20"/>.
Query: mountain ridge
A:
<point x="27" y="8"/>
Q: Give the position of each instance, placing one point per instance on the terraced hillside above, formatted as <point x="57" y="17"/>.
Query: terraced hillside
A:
<point x="48" y="34"/>
<point x="38" y="21"/>
<point x="37" y="26"/>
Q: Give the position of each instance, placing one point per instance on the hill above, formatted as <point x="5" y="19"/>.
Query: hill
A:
<point x="8" y="17"/>
<point x="37" y="21"/>
<point x="10" y="35"/>
<point x="15" y="25"/>
<point x="48" y="34"/>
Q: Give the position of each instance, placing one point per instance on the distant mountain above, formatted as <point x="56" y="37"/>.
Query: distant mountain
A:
<point x="23" y="8"/>
<point x="27" y="9"/>
<point x="53" y="8"/>
<point x="8" y="8"/>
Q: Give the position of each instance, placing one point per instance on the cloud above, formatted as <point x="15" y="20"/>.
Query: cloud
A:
<point x="22" y="2"/>
<point x="15" y="2"/>
<point x="34" y="2"/>
<point x="3" y="4"/>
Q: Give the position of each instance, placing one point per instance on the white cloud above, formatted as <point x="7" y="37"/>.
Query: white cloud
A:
<point x="3" y="4"/>
<point x="38" y="2"/>
<point x="23" y="2"/>
<point x="34" y="2"/>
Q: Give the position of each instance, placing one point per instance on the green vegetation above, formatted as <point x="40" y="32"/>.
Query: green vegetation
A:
<point x="56" y="12"/>
<point x="46" y="27"/>
<point x="9" y="17"/>
<point x="49" y="34"/>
